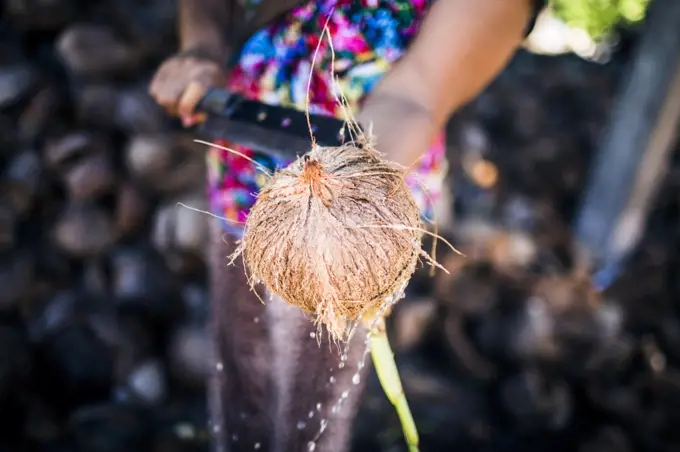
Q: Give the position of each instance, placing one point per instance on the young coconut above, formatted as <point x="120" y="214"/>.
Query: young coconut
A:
<point x="336" y="233"/>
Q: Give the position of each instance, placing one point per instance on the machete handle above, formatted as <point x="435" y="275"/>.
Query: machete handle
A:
<point x="267" y="128"/>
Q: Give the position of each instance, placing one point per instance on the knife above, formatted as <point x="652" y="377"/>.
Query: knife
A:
<point x="274" y="130"/>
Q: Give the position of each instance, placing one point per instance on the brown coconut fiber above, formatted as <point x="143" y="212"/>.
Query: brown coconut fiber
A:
<point x="336" y="233"/>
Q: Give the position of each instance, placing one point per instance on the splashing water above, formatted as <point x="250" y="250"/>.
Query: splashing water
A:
<point x="356" y="378"/>
<point x="343" y="359"/>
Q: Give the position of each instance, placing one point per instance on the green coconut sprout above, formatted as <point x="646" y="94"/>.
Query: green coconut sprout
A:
<point x="388" y="375"/>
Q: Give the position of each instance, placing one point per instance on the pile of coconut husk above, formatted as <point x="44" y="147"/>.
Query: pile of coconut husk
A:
<point x="103" y="300"/>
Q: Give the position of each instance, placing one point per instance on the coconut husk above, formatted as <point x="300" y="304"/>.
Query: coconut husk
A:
<point x="336" y="233"/>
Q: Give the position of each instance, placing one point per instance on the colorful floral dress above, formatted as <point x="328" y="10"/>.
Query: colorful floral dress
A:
<point x="274" y="67"/>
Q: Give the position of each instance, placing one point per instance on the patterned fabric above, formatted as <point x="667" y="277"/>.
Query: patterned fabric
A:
<point x="274" y="67"/>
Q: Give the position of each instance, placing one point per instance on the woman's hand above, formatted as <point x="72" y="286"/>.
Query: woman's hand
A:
<point x="461" y="46"/>
<point x="402" y="128"/>
<point x="182" y="80"/>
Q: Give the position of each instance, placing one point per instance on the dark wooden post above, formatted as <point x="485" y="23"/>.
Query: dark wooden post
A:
<point x="633" y="156"/>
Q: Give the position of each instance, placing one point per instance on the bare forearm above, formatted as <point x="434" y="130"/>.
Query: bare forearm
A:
<point x="203" y="24"/>
<point x="461" y="47"/>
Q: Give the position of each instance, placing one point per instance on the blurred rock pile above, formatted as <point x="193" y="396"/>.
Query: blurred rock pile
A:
<point x="103" y="297"/>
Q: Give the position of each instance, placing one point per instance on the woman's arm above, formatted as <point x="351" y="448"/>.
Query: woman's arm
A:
<point x="461" y="47"/>
<point x="203" y="26"/>
<point x="204" y="49"/>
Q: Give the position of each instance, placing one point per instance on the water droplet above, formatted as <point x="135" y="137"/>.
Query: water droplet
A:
<point x="301" y="425"/>
<point x="341" y="365"/>
<point x="324" y="424"/>
<point x="256" y="320"/>
<point x="256" y="446"/>
<point x="318" y="407"/>
<point x="356" y="379"/>
<point x="185" y="431"/>
<point x="312" y="334"/>
<point x="334" y="409"/>
<point x="343" y="357"/>
<point x="220" y="366"/>
<point x="216" y="428"/>
<point x="345" y="394"/>
<point x="332" y="380"/>
<point x="311" y="414"/>
<point x="311" y="446"/>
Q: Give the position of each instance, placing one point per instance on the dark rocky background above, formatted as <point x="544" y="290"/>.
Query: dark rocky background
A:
<point x="103" y="285"/>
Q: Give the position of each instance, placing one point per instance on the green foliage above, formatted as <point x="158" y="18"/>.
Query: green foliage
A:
<point x="598" y="17"/>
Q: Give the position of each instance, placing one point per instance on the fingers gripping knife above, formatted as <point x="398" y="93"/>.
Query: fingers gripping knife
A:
<point x="274" y="130"/>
